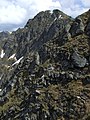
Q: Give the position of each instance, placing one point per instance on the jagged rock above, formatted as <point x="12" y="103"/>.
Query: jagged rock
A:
<point x="77" y="27"/>
<point x="88" y="29"/>
<point x="37" y="57"/>
<point x="78" y="61"/>
<point x="51" y="80"/>
<point x="4" y="35"/>
<point x="86" y="80"/>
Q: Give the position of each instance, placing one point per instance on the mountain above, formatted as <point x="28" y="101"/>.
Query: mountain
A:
<point x="45" y="69"/>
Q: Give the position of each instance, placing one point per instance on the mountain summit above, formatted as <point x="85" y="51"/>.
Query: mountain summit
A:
<point x="45" y="69"/>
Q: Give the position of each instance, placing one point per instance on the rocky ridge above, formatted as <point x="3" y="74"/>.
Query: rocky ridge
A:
<point x="45" y="69"/>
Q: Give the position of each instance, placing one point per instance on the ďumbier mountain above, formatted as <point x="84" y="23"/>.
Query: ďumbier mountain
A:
<point x="45" y="69"/>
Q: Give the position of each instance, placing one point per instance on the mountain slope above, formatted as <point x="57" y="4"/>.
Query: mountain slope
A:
<point x="45" y="69"/>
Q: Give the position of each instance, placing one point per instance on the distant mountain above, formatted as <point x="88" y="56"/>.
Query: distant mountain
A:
<point x="45" y="69"/>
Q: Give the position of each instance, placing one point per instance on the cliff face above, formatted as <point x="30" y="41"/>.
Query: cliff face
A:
<point x="45" y="69"/>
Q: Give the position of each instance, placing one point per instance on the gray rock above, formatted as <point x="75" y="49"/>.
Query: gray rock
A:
<point x="86" y="80"/>
<point x="78" y="61"/>
<point x="46" y="84"/>
<point x="88" y="29"/>
<point x="37" y="57"/>
<point x="77" y="27"/>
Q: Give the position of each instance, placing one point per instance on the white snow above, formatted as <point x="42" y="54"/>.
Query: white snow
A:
<point x="51" y="68"/>
<point x="0" y="90"/>
<point x="32" y="75"/>
<point x="60" y="16"/>
<point x="78" y="97"/>
<point x="43" y="76"/>
<point x="45" y="116"/>
<point x="38" y="91"/>
<point x="2" y="53"/>
<point x="55" y="19"/>
<point x="17" y="62"/>
<point x="10" y="32"/>
<point x="51" y="11"/>
<point x="63" y="73"/>
<point x="12" y="56"/>
<point x="12" y="84"/>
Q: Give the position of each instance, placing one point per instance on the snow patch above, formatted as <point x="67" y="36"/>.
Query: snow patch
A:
<point x="51" y="11"/>
<point x="2" y="53"/>
<point x="10" y="32"/>
<point x="38" y="91"/>
<point x="12" y="56"/>
<point x="0" y="90"/>
<point x="60" y="16"/>
<point x="43" y="76"/>
<point x="51" y="68"/>
<point x="17" y="62"/>
<point x="63" y="73"/>
<point x="78" y="97"/>
<point x="32" y="75"/>
<point x="12" y="84"/>
<point x="55" y="19"/>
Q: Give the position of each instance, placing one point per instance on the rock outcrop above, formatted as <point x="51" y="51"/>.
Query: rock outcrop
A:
<point x="45" y="69"/>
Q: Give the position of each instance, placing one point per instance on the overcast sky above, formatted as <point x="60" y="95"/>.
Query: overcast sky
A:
<point x="15" y="13"/>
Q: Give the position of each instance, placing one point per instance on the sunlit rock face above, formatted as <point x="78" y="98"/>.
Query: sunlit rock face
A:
<point x="45" y="69"/>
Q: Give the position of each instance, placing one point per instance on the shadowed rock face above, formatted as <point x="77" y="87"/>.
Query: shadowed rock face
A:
<point x="45" y="69"/>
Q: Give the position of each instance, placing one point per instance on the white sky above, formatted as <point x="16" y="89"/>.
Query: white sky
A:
<point x="15" y="13"/>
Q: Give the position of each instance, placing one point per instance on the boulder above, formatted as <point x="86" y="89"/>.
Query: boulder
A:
<point x="78" y="60"/>
<point x="77" y="27"/>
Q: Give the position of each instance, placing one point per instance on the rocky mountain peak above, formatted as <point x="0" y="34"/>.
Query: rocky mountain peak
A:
<point x="45" y="69"/>
<point x="47" y="16"/>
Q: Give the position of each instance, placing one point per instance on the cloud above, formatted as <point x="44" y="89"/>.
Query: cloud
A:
<point x="12" y="14"/>
<point x="86" y="3"/>
<point x="74" y="7"/>
<point x="15" y="13"/>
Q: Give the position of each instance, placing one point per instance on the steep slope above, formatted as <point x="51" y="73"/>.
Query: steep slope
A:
<point x="45" y="69"/>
